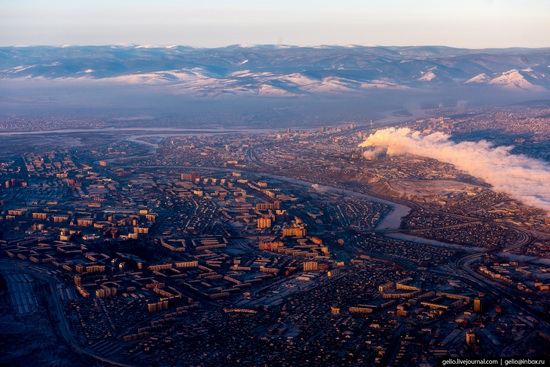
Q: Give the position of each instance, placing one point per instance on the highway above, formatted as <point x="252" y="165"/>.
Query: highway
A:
<point x="464" y="267"/>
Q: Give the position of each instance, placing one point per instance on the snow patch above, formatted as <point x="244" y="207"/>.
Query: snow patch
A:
<point x="20" y="68"/>
<point x="479" y="78"/>
<point x="426" y="77"/>
<point x="266" y="89"/>
<point x="383" y="84"/>
<point x="513" y="80"/>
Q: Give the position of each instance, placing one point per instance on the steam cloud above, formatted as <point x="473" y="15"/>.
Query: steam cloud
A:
<point x="523" y="178"/>
<point x="320" y="188"/>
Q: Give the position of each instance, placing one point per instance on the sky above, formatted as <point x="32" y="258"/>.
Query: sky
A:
<point x="216" y="23"/>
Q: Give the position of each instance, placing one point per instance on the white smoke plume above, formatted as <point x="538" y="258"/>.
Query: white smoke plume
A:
<point x="320" y="188"/>
<point x="374" y="153"/>
<point x="525" y="179"/>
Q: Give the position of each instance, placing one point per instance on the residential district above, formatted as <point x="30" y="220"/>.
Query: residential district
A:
<point x="280" y="248"/>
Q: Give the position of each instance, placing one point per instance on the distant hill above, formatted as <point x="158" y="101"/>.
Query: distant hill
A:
<point x="283" y="70"/>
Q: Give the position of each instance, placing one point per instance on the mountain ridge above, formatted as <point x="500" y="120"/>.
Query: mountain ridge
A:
<point x="282" y="70"/>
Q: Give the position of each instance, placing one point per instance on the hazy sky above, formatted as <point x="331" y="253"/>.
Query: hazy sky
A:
<point x="211" y="23"/>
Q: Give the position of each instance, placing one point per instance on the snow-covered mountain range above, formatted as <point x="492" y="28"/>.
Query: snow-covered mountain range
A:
<point x="282" y="70"/>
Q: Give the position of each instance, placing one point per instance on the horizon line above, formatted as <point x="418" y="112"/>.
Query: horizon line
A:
<point x="255" y="45"/>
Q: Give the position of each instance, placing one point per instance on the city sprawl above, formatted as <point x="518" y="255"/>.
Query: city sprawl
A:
<point x="211" y="247"/>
